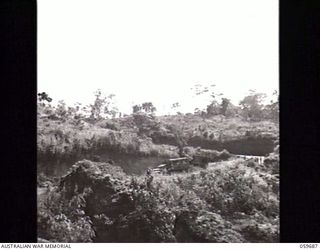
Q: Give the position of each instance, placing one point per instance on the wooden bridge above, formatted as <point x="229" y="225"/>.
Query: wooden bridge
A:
<point x="259" y="159"/>
<point x="176" y="164"/>
<point x="183" y="163"/>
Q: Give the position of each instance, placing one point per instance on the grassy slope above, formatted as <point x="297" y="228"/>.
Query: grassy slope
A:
<point x="222" y="128"/>
<point x="63" y="140"/>
<point x="66" y="139"/>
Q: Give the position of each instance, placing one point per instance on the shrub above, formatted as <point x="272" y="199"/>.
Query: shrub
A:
<point x="272" y="163"/>
<point x="220" y="204"/>
<point x="64" y="220"/>
<point x="205" y="227"/>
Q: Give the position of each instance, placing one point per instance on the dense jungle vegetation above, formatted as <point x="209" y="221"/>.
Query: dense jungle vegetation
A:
<point x="98" y="199"/>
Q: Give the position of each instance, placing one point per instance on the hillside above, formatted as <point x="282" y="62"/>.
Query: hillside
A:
<point x="96" y="183"/>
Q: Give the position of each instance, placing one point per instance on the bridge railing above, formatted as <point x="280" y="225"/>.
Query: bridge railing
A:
<point x="259" y="159"/>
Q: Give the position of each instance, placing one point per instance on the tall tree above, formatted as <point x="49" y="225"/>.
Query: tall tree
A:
<point x="225" y="103"/>
<point x="175" y="106"/>
<point x="136" y="108"/>
<point x="210" y="94"/>
<point x="102" y="105"/>
<point x="148" y="107"/>
<point x="252" y="105"/>
<point x="273" y="107"/>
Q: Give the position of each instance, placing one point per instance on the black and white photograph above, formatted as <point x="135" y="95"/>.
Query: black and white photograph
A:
<point x="158" y="121"/>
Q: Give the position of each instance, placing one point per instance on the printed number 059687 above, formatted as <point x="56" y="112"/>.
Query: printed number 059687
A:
<point x="308" y="245"/>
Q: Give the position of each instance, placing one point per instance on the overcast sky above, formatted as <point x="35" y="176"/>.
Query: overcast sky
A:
<point x="156" y="50"/>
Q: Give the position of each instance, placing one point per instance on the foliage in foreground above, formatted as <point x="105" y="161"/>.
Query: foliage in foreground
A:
<point x="230" y="202"/>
